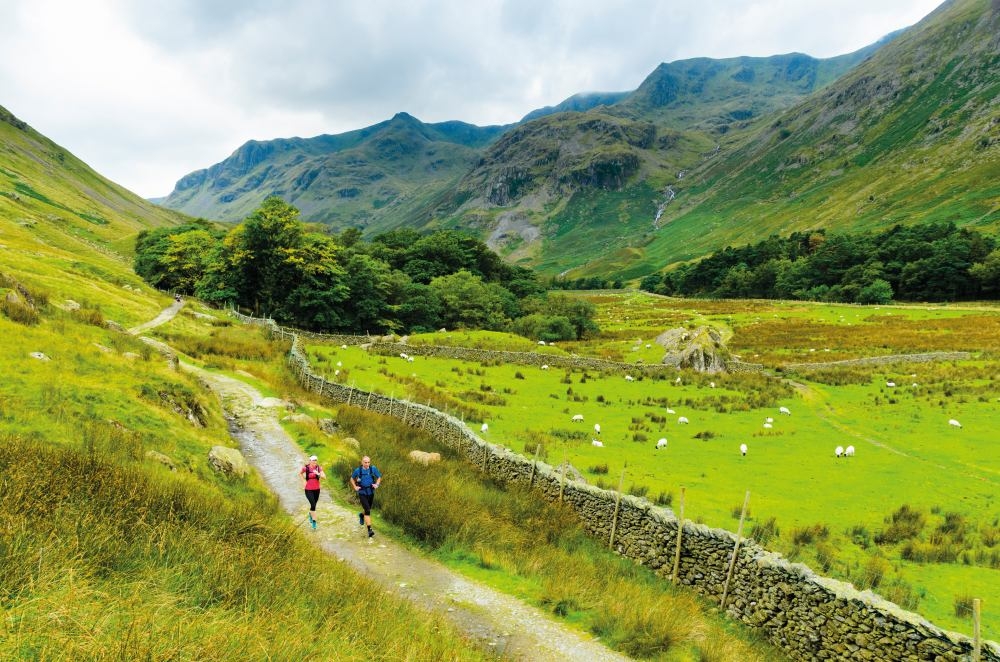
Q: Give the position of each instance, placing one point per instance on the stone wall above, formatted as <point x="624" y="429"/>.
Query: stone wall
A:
<point x="809" y="616"/>
<point x="882" y="360"/>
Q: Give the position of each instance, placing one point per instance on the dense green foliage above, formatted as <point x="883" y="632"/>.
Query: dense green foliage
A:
<point x="401" y="281"/>
<point x="931" y="262"/>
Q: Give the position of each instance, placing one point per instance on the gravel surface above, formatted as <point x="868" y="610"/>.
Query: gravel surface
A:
<point x="498" y="621"/>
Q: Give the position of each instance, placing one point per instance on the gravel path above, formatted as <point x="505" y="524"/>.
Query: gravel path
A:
<point x="498" y="621"/>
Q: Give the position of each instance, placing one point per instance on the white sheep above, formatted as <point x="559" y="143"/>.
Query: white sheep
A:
<point x="597" y="428"/>
<point x="838" y="451"/>
<point x="402" y="355"/>
<point x="785" y="411"/>
<point x="849" y="451"/>
<point x="662" y="443"/>
<point x="711" y="385"/>
<point x="541" y="342"/>
<point x="891" y="384"/>
<point x="409" y="359"/>
<point x="952" y="422"/>
<point x="743" y="449"/>
<point x="336" y="373"/>
<point x="577" y="418"/>
<point x="485" y="427"/>
<point x="629" y="378"/>
<point x="768" y="426"/>
<point x="670" y="411"/>
<point x="340" y="364"/>
<point x="677" y="381"/>
<point x="648" y="345"/>
<point x="682" y="420"/>
<point x="598" y="444"/>
<point x="769" y="420"/>
<point x="545" y="366"/>
<point x="343" y="347"/>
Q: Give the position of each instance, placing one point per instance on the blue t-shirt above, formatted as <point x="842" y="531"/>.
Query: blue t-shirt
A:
<point x="365" y="478"/>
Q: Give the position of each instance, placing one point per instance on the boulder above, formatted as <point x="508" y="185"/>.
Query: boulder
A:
<point x="328" y="425"/>
<point x="40" y="356"/>
<point x="228" y="461"/>
<point x="157" y="456"/>
<point x="352" y="442"/>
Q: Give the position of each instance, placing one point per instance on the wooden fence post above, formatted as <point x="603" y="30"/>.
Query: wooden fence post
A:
<point x="736" y="547"/>
<point x="534" y="463"/>
<point x="976" y="635"/>
<point x="618" y="501"/>
<point x="350" y="394"/>
<point x="680" y="532"/>
<point x="562" y="478"/>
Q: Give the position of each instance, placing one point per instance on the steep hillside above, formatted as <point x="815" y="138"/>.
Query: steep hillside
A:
<point x="912" y="134"/>
<point x="48" y="192"/>
<point x="554" y="192"/>
<point x="368" y="178"/>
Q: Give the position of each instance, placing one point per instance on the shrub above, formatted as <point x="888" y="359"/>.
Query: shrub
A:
<point x="665" y="499"/>
<point x="17" y="310"/>
<point x="963" y="606"/>
<point x="598" y="469"/>
<point x="904" y="524"/>
<point x="765" y="532"/>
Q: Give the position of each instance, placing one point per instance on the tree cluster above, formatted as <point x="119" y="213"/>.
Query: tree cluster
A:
<point x="400" y="282"/>
<point x="929" y="262"/>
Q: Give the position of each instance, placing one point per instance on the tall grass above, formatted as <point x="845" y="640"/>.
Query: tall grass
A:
<point x="515" y="538"/>
<point x="106" y="559"/>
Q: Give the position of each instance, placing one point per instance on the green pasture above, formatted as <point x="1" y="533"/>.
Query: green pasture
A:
<point x="827" y="510"/>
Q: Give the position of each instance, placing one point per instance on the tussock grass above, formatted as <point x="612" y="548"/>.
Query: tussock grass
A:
<point x="104" y="558"/>
<point x="513" y="538"/>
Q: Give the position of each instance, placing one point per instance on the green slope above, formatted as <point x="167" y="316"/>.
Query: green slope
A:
<point x="911" y="135"/>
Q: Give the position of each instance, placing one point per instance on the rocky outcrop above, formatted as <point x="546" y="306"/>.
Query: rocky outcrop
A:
<point x="700" y="349"/>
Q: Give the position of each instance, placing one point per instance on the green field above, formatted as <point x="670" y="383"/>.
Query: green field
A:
<point x="940" y="483"/>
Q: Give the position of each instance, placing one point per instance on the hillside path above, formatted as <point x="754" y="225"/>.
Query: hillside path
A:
<point x="500" y="622"/>
<point x="165" y="316"/>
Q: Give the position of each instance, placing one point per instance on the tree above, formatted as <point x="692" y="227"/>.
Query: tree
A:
<point x="879" y="292"/>
<point x="987" y="273"/>
<point x="468" y="302"/>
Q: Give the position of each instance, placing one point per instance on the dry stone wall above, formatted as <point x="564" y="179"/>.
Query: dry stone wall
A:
<point x="809" y="616"/>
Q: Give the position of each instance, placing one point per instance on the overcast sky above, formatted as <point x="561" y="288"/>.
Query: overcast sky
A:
<point x="146" y="91"/>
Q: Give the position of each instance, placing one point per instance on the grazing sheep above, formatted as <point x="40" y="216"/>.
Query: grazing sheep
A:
<point x="768" y="426"/>
<point x="891" y="384"/>
<point x="743" y="449"/>
<point x="785" y="411"/>
<point x="424" y="458"/>
<point x="409" y="359"/>
<point x="340" y="364"/>
<point x="711" y="385"/>
<point x="662" y="443"/>
<point x="336" y="373"/>
<point x="402" y="355"/>
<point x="343" y="347"/>
<point x="541" y="342"/>
<point x="577" y="417"/>
<point x="648" y="345"/>
<point x="671" y="411"/>
<point x="677" y="381"/>
<point x="769" y="420"/>
<point x="595" y="442"/>
<point x="682" y="419"/>
<point x="954" y="423"/>
<point x="485" y="427"/>
<point x="838" y="451"/>
<point x="849" y="451"/>
<point x="629" y="378"/>
<point x="545" y="366"/>
<point x="597" y="428"/>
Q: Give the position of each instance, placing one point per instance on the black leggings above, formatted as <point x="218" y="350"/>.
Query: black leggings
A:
<point x="313" y="496"/>
<point x="367" y="501"/>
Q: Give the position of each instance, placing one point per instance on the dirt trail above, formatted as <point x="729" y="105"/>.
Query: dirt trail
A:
<point x="165" y="316"/>
<point x="498" y="621"/>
